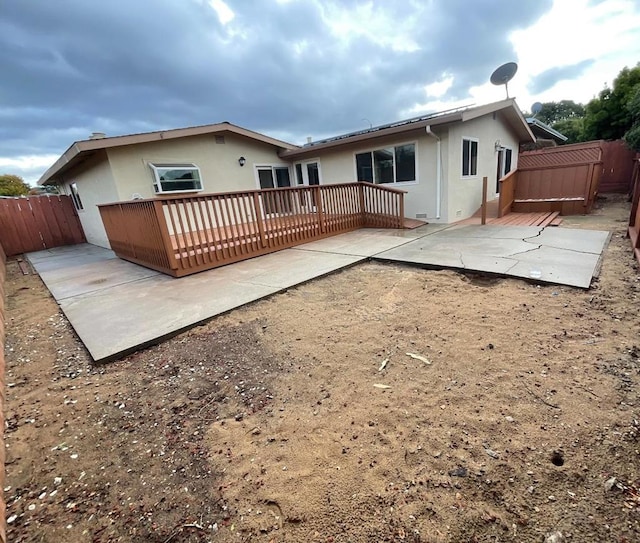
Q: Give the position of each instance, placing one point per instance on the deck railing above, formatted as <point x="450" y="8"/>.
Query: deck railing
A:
<point x="507" y="193"/>
<point x="180" y="235"/>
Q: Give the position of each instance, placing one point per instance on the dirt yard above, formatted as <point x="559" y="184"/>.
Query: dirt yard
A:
<point x="302" y="418"/>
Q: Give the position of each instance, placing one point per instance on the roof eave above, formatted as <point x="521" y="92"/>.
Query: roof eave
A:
<point x="80" y="147"/>
<point x="546" y="128"/>
<point x="510" y="109"/>
<point x="366" y="136"/>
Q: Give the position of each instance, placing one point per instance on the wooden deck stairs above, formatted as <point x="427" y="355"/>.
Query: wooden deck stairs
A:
<point x="543" y="218"/>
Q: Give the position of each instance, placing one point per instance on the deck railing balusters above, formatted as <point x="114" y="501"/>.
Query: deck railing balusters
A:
<point x="187" y="234"/>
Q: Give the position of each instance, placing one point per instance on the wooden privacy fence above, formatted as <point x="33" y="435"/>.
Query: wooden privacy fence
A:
<point x="617" y="167"/>
<point x="184" y="235"/>
<point x="37" y="223"/>
<point x="3" y="536"/>
<point x="634" y="218"/>
<point x="563" y="179"/>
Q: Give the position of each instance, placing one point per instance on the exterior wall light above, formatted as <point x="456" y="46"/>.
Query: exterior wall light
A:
<point x="242" y="161"/>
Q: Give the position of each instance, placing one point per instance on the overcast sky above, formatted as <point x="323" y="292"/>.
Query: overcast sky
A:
<point x="287" y="68"/>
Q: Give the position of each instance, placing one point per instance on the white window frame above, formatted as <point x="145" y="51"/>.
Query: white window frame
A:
<point x="394" y="145"/>
<point x="505" y="149"/>
<point x="187" y="166"/>
<point x="75" y="196"/>
<point x="305" y="172"/>
<point x="258" y="167"/>
<point x="470" y="174"/>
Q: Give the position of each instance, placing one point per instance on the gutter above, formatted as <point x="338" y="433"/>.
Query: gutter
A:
<point x="438" y="170"/>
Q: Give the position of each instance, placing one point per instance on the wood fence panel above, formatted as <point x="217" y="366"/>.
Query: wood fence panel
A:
<point x="617" y="167"/>
<point x="634" y="217"/>
<point x="45" y="223"/>
<point x="3" y="516"/>
<point x="564" y="179"/>
<point x="37" y="223"/>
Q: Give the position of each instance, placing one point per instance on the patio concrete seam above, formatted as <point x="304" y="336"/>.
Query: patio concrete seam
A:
<point x="327" y="252"/>
<point x="405" y="243"/>
<point x="104" y="288"/>
<point x="570" y="250"/>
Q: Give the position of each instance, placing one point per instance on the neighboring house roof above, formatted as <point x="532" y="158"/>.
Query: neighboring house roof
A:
<point x="544" y="131"/>
<point x="80" y="150"/>
<point x="508" y="107"/>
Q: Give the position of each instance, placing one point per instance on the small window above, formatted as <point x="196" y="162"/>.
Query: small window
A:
<point x="469" y="157"/>
<point x="508" y="153"/>
<point x="176" y="178"/>
<point x="388" y="165"/>
<point x="271" y="177"/>
<point x="75" y="196"/>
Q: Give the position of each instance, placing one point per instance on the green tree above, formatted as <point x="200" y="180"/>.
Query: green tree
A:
<point x="608" y="116"/>
<point x="13" y="185"/>
<point x="565" y="116"/>
<point x="555" y="112"/>
<point x="572" y="128"/>
<point x="632" y="136"/>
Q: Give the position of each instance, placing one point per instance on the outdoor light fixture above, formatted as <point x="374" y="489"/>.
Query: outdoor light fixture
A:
<point x="242" y="161"/>
<point x="498" y="145"/>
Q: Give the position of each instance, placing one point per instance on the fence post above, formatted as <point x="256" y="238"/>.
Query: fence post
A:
<point x="259" y="222"/>
<point x="484" y="200"/>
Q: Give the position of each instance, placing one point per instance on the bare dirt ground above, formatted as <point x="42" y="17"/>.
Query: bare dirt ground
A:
<point x="276" y="423"/>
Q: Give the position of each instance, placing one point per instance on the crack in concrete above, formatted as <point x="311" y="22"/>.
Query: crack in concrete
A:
<point x="536" y="236"/>
<point x="527" y="251"/>
<point x="511" y="267"/>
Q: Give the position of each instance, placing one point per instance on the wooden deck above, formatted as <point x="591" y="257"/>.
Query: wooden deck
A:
<point x="543" y="218"/>
<point x="180" y="235"/>
<point x="228" y="238"/>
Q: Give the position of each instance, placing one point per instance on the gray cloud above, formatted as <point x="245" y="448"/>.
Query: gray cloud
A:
<point x="550" y="77"/>
<point x="71" y="67"/>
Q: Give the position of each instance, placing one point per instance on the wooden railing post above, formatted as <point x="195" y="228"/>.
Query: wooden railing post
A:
<point x="259" y="220"/>
<point x="318" y="198"/>
<point x="164" y="233"/>
<point x="363" y="216"/>
<point x="401" y="218"/>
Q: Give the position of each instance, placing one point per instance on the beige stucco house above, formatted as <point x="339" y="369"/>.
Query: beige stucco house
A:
<point x="439" y="159"/>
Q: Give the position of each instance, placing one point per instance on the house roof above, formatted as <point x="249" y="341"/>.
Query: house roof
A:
<point x="542" y="130"/>
<point x="80" y="150"/>
<point x="507" y="107"/>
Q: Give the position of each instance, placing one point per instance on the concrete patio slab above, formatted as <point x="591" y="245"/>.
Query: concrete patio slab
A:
<point x="563" y="256"/>
<point x="85" y="275"/>
<point x="72" y="251"/>
<point x="117" y="307"/>
<point x="369" y="241"/>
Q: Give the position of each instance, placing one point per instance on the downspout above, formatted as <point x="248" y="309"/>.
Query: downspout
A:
<point x="438" y="170"/>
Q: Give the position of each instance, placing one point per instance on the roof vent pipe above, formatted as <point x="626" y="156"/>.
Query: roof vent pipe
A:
<point x="309" y="139"/>
<point x="97" y="135"/>
<point x="438" y="170"/>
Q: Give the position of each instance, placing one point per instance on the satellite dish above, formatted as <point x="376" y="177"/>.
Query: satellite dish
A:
<point x="536" y="108"/>
<point x="503" y="74"/>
